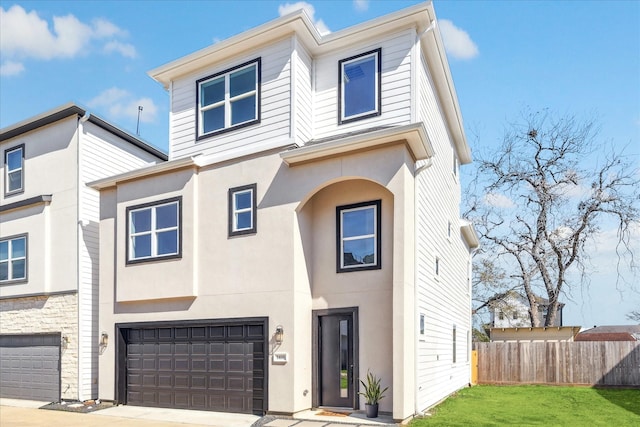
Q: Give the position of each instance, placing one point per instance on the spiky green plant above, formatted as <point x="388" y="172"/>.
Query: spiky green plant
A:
<point x="372" y="393"/>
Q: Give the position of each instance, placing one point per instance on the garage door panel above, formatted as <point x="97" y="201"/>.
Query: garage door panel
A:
<point x="199" y="367"/>
<point x="30" y="367"/>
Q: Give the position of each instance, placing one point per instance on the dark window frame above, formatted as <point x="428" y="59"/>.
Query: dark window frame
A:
<point x="20" y="147"/>
<point x="378" y="237"/>
<point x="24" y="279"/>
<point x="199" y="82"/>
<point x="377" y="87"/>
<point x="177" y="255"/>
<point x="254" y="210"/>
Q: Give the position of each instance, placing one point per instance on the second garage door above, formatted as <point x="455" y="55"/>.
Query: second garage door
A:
<point x="218" y="366"/>
<point x="30" y="367"/>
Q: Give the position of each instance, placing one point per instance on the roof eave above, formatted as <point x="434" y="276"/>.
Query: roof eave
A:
<point x="144" y="172"/>
<point x="433" y="48"/>
<point x="414" y="135"/>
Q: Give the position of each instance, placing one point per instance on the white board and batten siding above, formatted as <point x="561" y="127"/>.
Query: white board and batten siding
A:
<point x="102" y="154"/>
<point x="396" y="85"/>
<point x="444" y="298"/>
<point x="275" y="107"/>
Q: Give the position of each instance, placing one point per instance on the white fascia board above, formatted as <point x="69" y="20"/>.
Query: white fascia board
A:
<point x="469" y="234"/>
<point x="142" y="173"/>
<point x="433" y="48"/>
<point x="297" y="22"/>
<point x="414" y="135"/>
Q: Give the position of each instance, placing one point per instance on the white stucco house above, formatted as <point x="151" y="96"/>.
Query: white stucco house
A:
<point x="305" y="230"/>
<point x="49" y="248"/>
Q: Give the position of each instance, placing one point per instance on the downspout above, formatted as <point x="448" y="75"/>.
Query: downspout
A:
<point x="416" y="321"/>
<point x="79" y="223"/>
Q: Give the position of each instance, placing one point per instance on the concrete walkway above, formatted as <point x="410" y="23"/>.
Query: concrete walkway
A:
<point x="26" y="413"/>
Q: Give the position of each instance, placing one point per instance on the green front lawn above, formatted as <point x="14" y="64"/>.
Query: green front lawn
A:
<point x="536" y="405"/>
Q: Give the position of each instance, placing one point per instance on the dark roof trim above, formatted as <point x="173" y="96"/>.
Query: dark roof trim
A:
<point x="45" y="198"/>
<point x="68" y="110"/>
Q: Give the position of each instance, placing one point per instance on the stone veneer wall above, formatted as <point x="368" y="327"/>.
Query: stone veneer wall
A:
<point x="40" y="314"/>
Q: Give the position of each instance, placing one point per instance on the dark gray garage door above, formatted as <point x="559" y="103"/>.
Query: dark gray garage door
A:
<point x="215" y="367"/>
<point x="30" y="367"/>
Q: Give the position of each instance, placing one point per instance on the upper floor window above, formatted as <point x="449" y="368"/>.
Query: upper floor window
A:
<point x="242" y="210"/>
<point x="14" y="170"/>
<point x="154" y="230"/>
<point x="358" y="240"/>
<point x="229" y="99"/>
<point x="13" y="259"/>
<point x="359" y="87"/>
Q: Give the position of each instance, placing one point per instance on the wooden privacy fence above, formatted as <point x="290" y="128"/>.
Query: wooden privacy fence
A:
<point x="605" y="363"/>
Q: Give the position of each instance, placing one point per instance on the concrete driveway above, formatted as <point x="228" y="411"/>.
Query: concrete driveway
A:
<point x="14" y="413"/>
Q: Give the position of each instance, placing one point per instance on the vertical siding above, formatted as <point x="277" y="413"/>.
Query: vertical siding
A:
<point x="303" y="94"/>
<point x="275" y="106"/>
<point x="101" y="154"/>
<point x="396" y="86"/>
<point x="445" y="298"/>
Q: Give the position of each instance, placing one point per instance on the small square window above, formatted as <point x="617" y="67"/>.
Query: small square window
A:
<point x="154" y="231"/>
<point x="14" y="170"/>
<point x="13" y="259"/>
<point x="359" y="86"/>
<point x="358" y="236"/>
<point x="242" y="210"/>
<point x="501" y="315"/>
<point x="229" y="99"/>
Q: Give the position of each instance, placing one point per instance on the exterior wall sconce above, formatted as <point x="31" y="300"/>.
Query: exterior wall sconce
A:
<point x="104" y="339"/>
<point x="64" y="341"/>
<point x="279" y="336"/>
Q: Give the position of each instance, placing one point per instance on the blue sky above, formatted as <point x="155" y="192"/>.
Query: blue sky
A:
<point x="578" y="57"/>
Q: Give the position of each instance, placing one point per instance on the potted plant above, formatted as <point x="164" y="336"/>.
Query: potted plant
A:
<point x="372" y="393"/>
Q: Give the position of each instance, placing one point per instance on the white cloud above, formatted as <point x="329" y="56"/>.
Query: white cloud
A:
<point x="457" y="41"/>
<point x="124" y="49"/>
<point x="498" y="200"/>
<point x="361" y="5"/>
<point x="11" y="68"/>
<point x="27" y="35"/>
<point x="286" y="8"/>
<point x="121" y="104"/>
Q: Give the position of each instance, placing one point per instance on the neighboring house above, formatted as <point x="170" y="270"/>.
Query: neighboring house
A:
<point x="305" y="231"/>
<point x="611" y="333"/>
<point x="530" y="334"/>
<point x="49" y="249"/>
<point x="511" y="310"/>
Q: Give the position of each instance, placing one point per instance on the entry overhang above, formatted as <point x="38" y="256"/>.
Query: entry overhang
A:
<point x="413" y="135"/>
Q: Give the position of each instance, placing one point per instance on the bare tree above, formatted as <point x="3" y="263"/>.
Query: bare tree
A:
<point x="634" y="315"/>
<point x="538" y="202"/>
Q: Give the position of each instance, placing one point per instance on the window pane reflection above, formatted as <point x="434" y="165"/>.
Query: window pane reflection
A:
<point x="344" y="359"/>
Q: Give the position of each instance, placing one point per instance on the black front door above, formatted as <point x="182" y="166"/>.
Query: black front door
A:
<point x="336" y="360"/>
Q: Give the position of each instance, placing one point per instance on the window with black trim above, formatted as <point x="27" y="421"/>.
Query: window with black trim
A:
<point x="229" y="99"/>
<point x="13" y="259"/>
<point x="359" y="86"/>
<point x="454" y="345"/>
<point x="14" y="170"/>
<point x="242" y="210"/>
<point x="358" y="236"/>
<point x="154" y="231"/>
